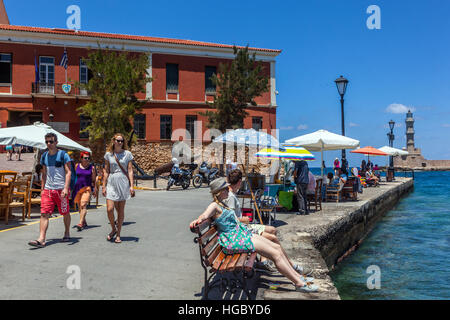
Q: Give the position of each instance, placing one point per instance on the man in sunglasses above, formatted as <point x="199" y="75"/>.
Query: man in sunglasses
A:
<point x="54" y="188"/>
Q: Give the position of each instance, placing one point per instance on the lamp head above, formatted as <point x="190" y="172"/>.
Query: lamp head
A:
<point x="341" y="85"/>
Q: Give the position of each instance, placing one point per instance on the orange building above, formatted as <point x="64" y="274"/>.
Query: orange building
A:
<point x="31" y="80"/>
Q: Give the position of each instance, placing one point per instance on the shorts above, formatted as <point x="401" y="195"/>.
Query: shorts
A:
<point x="257" y="228"/>
<point x="51" y="197"/>
<point x="83" y="197"/>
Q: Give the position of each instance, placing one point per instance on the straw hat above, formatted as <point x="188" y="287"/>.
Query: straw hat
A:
<point x="218" y="185"/>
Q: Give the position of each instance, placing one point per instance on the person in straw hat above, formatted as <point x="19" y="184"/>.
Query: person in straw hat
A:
<point x="235" y="237"/>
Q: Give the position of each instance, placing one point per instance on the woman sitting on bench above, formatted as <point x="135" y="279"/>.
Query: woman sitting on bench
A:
<point x="235" y="237"/>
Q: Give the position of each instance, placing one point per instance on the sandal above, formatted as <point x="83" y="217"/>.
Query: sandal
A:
<point x="111" y="235"/>
<point x="65" y="239"/>
<point x="117" y="241"/>
<point x="37" y="244"/>
<point x="79" y="227"/>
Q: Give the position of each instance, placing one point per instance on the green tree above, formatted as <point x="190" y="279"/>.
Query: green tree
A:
<point x="238" y="84"/>
<point x="116" y="78"/>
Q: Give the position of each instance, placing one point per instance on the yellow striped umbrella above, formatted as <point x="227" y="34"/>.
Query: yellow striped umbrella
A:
<point x="288" y="152"/>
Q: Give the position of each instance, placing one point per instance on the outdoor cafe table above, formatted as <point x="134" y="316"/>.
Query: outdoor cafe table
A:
<point x="4" y="188"/>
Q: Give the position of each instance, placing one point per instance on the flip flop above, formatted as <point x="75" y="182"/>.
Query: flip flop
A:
<point x="79" y="227"/>
<point x="117" y="241"/>
<point x="111" y="236"/>
<point x="36" y="243"/>
<point x="65" y="239"/>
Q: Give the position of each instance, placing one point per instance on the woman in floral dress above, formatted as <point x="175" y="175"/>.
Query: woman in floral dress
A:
<point x="235" y="237"/>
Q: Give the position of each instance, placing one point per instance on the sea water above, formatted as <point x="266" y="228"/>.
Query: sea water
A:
<point x="410" y="245"/>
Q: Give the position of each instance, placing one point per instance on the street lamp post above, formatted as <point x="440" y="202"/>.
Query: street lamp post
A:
<point x="341" y="84"/>
<point x="390" y="171"/>
<point x="391" y="142"/>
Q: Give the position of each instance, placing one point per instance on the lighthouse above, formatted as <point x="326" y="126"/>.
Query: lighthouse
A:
<point x="410" y="132"/>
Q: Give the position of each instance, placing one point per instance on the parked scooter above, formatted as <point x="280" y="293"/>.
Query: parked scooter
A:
<point x="206" y="175"/>
<point x="180" y="177"/>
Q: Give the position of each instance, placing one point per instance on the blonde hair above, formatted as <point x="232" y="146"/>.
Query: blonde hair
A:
<point x="124" y="144"/>
<point x="220" y="203"/>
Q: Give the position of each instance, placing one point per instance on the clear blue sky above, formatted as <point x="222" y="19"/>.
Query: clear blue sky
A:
<point x="406" y="63"/>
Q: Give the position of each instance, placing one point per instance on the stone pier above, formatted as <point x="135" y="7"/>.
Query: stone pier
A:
<point x="322" y="239"/>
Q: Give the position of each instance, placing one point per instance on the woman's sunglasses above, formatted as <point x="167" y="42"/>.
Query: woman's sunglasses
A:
<point x="119" y="141"/>
<point x="86" y="158"/>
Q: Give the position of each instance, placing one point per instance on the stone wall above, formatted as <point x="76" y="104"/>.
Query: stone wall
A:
<point x="346" y="234"/>
<point x="150" y="156"/>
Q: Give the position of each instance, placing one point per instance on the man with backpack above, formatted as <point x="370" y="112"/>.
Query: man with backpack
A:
<point x="56" y="175"/>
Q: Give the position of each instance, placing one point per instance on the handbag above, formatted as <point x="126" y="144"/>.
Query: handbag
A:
<point x="125" y="173"/>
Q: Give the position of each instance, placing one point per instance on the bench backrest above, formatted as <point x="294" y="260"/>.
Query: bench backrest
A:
<point x="208" y="241"/>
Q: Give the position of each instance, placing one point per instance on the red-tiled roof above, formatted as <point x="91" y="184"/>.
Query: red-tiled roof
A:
<point x="124" y="37"/>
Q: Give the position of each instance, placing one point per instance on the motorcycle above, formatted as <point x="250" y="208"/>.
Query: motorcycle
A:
<point x="181" y="177"/>
<point x="206" y="175"/>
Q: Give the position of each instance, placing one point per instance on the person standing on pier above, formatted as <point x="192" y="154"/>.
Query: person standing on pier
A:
<point x="301" y="177"/>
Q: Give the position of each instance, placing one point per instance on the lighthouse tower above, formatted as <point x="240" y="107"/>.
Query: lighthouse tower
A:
<point x="410" y="132"/>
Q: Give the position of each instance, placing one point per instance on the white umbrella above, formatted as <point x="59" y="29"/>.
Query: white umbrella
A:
<point x="248" y="137"/>
<point x="393" y="151"/>
<point x="34" y="136"/>
<point x="321" y="140"/>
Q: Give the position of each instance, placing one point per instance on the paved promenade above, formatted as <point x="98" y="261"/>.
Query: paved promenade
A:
<point x="157" y="258"/>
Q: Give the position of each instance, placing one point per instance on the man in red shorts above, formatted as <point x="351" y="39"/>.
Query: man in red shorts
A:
<point x="54" y="188"/>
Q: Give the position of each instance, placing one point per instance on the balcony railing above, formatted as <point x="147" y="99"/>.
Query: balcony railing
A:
<point x="57" y="89"/>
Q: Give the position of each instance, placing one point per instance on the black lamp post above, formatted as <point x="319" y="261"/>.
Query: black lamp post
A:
<point x="341" y="84"/>
<point x="391" y="142"/>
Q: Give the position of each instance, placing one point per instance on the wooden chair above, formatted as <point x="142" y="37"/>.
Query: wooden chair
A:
<point x="334" y="192"/>
<point x="19" y="196"/>
<point x="348" y="191"/>
<point x="316" y="198"/>
<point x="214" y="260"/>
<point x="5" y="198"/>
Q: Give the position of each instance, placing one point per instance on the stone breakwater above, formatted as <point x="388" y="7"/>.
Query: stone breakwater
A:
<point x="323" y="238"/>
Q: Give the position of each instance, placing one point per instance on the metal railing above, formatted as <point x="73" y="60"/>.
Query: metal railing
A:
<point x="57" y="89"/>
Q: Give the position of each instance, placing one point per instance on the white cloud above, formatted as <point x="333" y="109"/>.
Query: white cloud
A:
<point x="287" y="128"/>
<point x="352" y="124"/>
<point x="302" y="127"/>
<point x="399" y="108"/>
<point x="446" y="125"/>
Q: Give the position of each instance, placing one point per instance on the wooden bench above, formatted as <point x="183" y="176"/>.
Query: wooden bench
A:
<point x="214" y="260"/>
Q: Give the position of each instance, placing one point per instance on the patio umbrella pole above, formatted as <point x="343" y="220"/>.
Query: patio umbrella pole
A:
<point x="251" y="192"/>
<point x="36" y="153"/>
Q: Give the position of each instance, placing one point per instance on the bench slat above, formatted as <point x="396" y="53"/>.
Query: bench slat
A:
<point x="218" y="261"/>
<point x="223" y="267"/>
<point x="231" y="266"/>
<point x="207" y="235"/>
<point x="210" y="246"/>
<point x="240" y="263"/>
<point x="250" y="262"/>
<point x="211" y="258"/>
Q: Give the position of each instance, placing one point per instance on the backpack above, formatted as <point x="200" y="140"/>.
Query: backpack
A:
<point x="59" y="163"/>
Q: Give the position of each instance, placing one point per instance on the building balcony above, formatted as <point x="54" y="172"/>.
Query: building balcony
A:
<point x="53" y="89"/>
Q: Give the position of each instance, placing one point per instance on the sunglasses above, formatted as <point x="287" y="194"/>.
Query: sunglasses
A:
<point x="119" y="141"/>
<point x="86" y="158"/>
<point x="49" y="142"/>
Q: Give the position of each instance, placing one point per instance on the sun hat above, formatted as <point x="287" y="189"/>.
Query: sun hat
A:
<point x="218" y="185"/>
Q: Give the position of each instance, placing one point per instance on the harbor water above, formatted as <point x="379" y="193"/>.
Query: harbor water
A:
<point x="407" y="251"/>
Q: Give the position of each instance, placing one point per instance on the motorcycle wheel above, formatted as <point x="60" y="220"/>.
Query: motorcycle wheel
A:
<point x="185" y="184"/>
<point x="197" y="182"/>
<point x="169" y="184"/>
